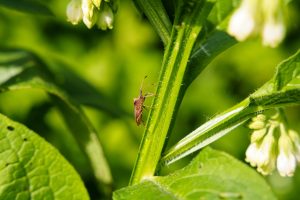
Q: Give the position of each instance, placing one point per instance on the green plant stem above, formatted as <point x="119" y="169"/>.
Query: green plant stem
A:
<point x="184" y="35"/>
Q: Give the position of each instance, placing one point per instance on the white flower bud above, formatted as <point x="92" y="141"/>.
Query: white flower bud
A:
<point x="257" y="125"/>
<point x="259" y="117"/>
<point x="267" y="157"/>
<point x="105" y="18"/>
<point x="257" y="135"/>
<point x="74" y="12"/>
<point x="286" y="161"/>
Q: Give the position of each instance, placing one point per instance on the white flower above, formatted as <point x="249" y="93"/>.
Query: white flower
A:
<point x="273" y="30"/>
<point x="254" y="17"/>
<point x="286" y="164"/>
<point x="268" y="167"/>
<point x="87" y="7"/>
<point x="296" y="140"/>
<point x="105" y="18"/>
<point x="266" y="161"/>
<point x="242" y="23"/>
<point x="89" y="14"/>
<point x="74" y="12"/>
<point x="286" y="161"/>
<point x="273" y="33"/>
<point x="262" y="154"/>
<point x="252" y="154"/>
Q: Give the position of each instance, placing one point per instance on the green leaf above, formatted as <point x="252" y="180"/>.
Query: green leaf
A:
<point x="211" y="175"/>
<point x="287" y="71"/>
<point x="267" y="97"/>
<point x="30" y="6"/>
<point x="30" y="168"/>
<point x="23" y="70"/>
<point x="214" y="44"/>
<point x="221" y="11"/>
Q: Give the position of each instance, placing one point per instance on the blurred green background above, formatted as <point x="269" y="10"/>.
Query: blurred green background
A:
<point x="115" y="62"/>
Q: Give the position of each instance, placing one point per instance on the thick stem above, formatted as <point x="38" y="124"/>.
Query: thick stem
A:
<point x="176" y="57"/>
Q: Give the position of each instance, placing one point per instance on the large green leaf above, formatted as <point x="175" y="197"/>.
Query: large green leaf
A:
<point x="23" y="70"/>
<point x="30" y="6"/>
<point x="30" y="168"/>
<point x="282" y="90"/>
<point x="211" y="175"/>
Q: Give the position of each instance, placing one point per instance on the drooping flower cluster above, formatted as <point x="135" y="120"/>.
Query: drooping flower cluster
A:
<point x="259" y="17"/>
<point x="273" y="145"/>
<point x="92" y="12"/>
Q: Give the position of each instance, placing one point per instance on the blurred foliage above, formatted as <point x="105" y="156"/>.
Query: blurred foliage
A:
<point x="115" y="62"/>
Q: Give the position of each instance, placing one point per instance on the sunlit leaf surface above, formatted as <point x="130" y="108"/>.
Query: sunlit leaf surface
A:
<point x="211" y="175"/>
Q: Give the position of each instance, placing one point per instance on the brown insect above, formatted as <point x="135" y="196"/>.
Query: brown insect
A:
<point x="139" y="105"/>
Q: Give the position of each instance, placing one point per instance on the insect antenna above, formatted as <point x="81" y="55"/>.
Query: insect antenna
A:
<point x="141" y="88"/>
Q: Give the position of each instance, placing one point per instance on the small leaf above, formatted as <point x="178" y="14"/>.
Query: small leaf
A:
<point x="30" y="168"/>
<point x="30" y="6"/>
<point x="287" y="71"/>
<point x="211" y="175"/>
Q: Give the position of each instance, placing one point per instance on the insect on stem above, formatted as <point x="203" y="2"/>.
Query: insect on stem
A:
<point x="139" y="104"/>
